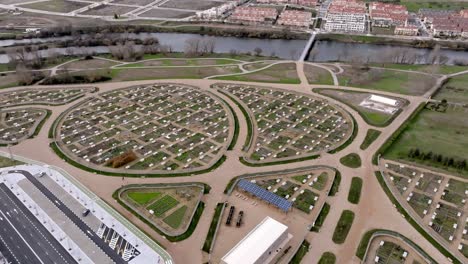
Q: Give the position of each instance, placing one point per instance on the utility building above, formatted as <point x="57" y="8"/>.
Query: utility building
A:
<point x="261" y="245"/>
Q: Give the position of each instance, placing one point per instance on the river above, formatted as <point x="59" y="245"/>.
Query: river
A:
<point x="322" y="51"/>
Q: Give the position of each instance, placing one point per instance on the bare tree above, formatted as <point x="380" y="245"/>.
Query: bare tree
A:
<point x="192" y="46"/>
<point x="258" y="51"/>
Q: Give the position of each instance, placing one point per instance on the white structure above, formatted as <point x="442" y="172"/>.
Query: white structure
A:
<point x="261" y="245"/>
<point x="381" y="104"/>
<point x="346" y="16"/>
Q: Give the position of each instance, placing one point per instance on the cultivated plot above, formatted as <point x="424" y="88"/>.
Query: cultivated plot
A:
<point x="158" y="128"/>
<point x="438" y="200"/>
<point x="44" y="96"/>
<point x="168" y="207"/>
<point x="17" y="125"/>
<point x="288" y="125"/>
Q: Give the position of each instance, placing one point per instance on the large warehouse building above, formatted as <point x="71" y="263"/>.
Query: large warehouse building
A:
<point x="261" y="245"/>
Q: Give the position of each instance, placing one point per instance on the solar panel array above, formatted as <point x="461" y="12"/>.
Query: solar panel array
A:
<point x="265" y="195"/>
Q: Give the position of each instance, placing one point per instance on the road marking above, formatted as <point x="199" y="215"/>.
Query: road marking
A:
<point x="22" y="238"/>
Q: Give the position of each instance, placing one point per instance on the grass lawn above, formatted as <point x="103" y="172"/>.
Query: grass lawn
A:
<point x="415" y="5"/>
<point x="371" y="136"/>
<point x="343" y="226"/>
<point x="170" y="73"/>
<point x="301" y="252"/>
<point x="455" y="90"/>
<point x="327" y="258"/>
<point x="143" y="198"/>
<point x="386" y="80"/>
<point x="435" y="69"/>
<point x="175" y="219"/>
<point x="211" y="232"/>
<point x="60" y="6"/>
<point x="316" y="75"/>
<point x="355" y="191"/>
<point x="353" y="99"/>
<point x="6" y="162"/>
<point x="444" y="134"/>
<point x="163" y="205"/>
<point x="321" y="218"/>
<point x="336" y="184"/>
<point x="8" y="80"/>
<point x="280" y="73"/>
<point x="351" y="160"/>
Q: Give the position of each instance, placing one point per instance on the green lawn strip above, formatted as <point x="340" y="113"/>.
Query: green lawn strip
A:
<point x="262" y="164"/>
<point x="414" y="6"/>
<point x="41" y="124"/>
<point x="64" y="157"/>
<point x="336" y="184"/>
<point x="373" y="118"/>
<point x="236" y="126"/>
<point x="351" y="160"/>
<point x="355" y="191"/>
<point x="163" y="205"/>
<point x="408" y="218"/>
<point x="249" y="122"/>
<point x="7" y="162"/>
<point x="175" y="219"/>
<point x="327" y="258"/>
<point x="454" y="90"/>
<point x="394" y="137"/>
<point x="214" y="224"/>
<point x="321" y="218"/>
<point x="343" y="226"/>
<point x="300" y="253"/>
<point x="188" y="233"/>
<point x="371" y="136"/>
<point x="245" y="78"/>
<point x="350" y="139"/>
<point x="143" y="198"/>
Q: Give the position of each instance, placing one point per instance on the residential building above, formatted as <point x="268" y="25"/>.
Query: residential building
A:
<point x="387" y="15"/>
<point x="295" y="18"/>
<point x="346" y="16"/>
<point x="407" y="30"/>
<point x="253" y="14"/>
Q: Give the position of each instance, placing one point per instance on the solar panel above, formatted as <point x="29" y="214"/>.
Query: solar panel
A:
<point x="265" y="195"/>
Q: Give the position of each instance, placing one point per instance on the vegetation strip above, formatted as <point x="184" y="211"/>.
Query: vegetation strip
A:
<point x="300" y="253"/>
<point x="327" y="258"/>
<point x="343" y="226"/>
<point x="354" y="194"/>
<point x="207" y="246"/>
<point x="371" y="136"/>
<point x="321" y="218"/>
<point x="351" y="160"/>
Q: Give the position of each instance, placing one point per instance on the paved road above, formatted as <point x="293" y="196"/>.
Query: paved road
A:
<point x="23" y="239"/>
<point x="74" y="218"/>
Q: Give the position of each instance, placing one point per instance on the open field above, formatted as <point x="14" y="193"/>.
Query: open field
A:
<point x="455" y="90"/>
<point x="8" y="80"/>
<point x="343" y="226"/>
<point x="280" y="73"/>
<point x="169" y="208"/>
<point x="438" y="133"/>
<point x="289" y="125"/>
<point x="6" y="162"/>
<point x="179" y="62"/>
<point x="415" y="5"/>
<point x="354" y="99"/>
<point x="167" y="13"/>
<point x="89" y="64"/>
<point x="432" y="69"/>
<point x="108" y="10"/>
<point x="59" y="6"/>
<point x="371" y="136"/>
<point x="192" y="5"/>
<point x="316" y="75"/>
<point x="351" y="160"/>
<point x="170" y="73"/>
<point x="386" y="80"/>
<point x="163" y="127"/>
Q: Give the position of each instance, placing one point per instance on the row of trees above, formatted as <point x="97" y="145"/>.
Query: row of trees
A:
<point x="459" y="164"/>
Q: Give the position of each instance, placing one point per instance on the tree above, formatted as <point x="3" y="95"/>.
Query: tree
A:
<point x="258" y="51"/>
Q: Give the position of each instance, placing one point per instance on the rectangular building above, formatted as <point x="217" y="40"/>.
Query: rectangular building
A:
<point x="254" y="14"/>
<point x="261" y="245"/>
<point x="295" y="18"/>
<point x="346" y="16"/>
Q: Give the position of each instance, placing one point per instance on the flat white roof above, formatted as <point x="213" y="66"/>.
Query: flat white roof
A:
<point x="257" y="241"/>
<point x="383" y="100"/>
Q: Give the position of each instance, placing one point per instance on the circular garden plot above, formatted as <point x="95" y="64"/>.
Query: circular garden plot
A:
<point x="46" y="96"/>
<point x="287" y="125"/>
<point x="160" y="128"/>
<point x="19" y="124"/>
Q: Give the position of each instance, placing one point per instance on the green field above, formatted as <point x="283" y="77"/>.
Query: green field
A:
<point x="163" y="205"/>
<point x="386" y="80"/>
<point x="214" y="224"/>
<point x="351" y="160"/>
<point x="280" y="73"/>
<point x="354" y="194"/>
<point x="143" y="198"/>
<point x="6" y="162"/>
<point x="455" y="90"/>
<point x="316" y="75"/>
<point x="321" y="218"/>
<point x="327" y="258"/>
<point x="301" y="252"/>
<point x="353" y="99"/>
<point x="175" y="219"/>
<point x="371" y="136"/>
<point x="343" y="226"/>
<point x="415" y="5"/>
<point x="434" y="69"/>
<point x="56" y="6"/>
<point x="444" y="134"/>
